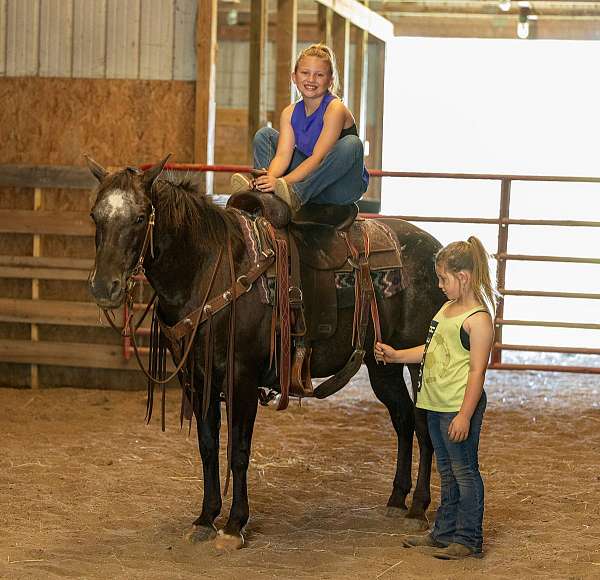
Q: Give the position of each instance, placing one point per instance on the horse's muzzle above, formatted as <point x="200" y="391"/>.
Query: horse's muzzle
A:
<point x="108" y="293"/>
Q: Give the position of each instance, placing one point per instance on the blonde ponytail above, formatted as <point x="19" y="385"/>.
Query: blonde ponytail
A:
<point x="471" y="256"/>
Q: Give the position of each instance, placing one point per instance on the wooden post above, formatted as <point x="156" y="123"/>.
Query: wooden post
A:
<point x="375" y="136"/>
<point x="361" y="73"/>
<point x="35" y="286"/>
<point x="325" y="17"/>
<point x="287" y="26"/>
<point x="341" y="48"/>
<point x="206" y="86"/>
<point x="257" y="114"/>
<point x="501" y="267"/>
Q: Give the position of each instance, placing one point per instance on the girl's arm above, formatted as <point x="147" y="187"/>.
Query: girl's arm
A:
<point x="333" y="123"/>
<point x="285" y="145"/>
<point x="388" y="354"/>
<point x="283" y="155"/>
<point x="480" y="329"/>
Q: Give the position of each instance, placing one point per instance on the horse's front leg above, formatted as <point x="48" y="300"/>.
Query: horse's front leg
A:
<point x="208" y="441"/>
<point x="245" y="401"/>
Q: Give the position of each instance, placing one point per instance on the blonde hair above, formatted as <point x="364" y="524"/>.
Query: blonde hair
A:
<point x="323" y="52"/>
<point x="472" y="257"/>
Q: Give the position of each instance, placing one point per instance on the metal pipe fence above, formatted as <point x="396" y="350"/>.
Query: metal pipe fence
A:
<point x="503" y="221"/>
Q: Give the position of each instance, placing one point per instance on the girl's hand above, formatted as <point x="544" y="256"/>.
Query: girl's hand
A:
<point x="384" y="353"/>
<point x="265" y="183"/>
<point x="458" y="430"/>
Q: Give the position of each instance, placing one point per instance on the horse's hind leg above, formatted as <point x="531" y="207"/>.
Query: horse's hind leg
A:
<point x="389" y="387"/>
<point x="208" y="441"/>
<point x="422" y="494"/>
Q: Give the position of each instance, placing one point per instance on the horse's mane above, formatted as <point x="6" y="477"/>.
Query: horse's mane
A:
<point x="181" y="207"/>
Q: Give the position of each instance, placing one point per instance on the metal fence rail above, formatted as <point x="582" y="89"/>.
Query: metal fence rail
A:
<point x="40" y="222"/>
<point x="503" y="221"/>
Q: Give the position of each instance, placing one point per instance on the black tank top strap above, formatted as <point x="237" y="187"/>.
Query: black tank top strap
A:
<point x="349" y="131"/>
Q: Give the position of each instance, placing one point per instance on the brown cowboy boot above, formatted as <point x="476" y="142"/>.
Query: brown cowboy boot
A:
<point x="240" y="184"/>
<point x="425" y="541"/>
<point x="286" y="193"/>
<point x="456" y="552"/>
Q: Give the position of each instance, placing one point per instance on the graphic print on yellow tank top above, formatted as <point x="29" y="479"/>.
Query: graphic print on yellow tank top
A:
<point x="440" y="359"/>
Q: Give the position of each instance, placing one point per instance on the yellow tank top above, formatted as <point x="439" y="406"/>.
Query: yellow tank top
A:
<point x="445" y="366"/>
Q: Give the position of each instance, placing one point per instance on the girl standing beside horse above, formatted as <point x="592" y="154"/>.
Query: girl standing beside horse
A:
<point x="317" y="156"/>
<point x="454" y="360"/>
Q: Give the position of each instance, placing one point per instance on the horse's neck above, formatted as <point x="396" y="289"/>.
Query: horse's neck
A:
<point x="182" y="275"/>
<point x="173" y="276"/>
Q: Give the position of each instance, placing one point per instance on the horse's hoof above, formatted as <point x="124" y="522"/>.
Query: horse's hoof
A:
<point x="395" y="512"/>
<point x="415" y="525"/>
<point x="228" y="542"/>
<point x="199" y="534"/>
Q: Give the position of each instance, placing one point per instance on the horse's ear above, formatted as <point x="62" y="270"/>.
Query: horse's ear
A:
<point x="153" y="172"/>
<point x="97" y="170"/>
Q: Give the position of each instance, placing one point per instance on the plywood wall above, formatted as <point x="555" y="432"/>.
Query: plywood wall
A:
<point x="53" y="121"/>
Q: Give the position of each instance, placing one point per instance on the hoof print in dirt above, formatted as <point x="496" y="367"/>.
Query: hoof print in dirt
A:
<point x="228" y="542"/>
<point x="199" y="534"/>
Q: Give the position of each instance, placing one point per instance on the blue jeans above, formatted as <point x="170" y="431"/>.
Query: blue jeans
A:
<point x="337" y="179"/>
<point x="459" y="518"/>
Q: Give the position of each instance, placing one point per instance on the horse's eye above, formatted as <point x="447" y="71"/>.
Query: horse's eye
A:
<point x="140" y="219"/>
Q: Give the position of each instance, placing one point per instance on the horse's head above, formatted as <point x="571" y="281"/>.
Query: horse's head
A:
<point x="122" y="214"/>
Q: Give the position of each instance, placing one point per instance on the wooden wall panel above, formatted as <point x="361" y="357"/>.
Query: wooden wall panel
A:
<point x="154" y="118"/>
<point x="89" y="38"/>
<point x="119" y="122"/>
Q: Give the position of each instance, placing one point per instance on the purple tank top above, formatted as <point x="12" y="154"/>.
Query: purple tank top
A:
<point x="308" y="129"/>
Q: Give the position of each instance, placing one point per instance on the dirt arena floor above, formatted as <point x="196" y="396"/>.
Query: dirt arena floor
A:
<point x="90" y="491"/>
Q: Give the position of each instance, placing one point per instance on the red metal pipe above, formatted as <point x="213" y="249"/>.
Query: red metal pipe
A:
<point x="384" y="173"/>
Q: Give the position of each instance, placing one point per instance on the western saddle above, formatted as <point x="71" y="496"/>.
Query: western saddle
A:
<point x="312" y="247"/>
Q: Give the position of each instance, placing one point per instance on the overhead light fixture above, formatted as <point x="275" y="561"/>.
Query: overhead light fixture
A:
<point x="504" y="5"/>
<point x="523" y="22"/>
<point x="232" y="17"/>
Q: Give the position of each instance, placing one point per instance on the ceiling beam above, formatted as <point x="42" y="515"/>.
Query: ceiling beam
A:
<point x="362" y="17"/>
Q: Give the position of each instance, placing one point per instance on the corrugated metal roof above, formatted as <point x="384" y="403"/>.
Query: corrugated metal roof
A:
<point x="56" y="38"/>
<point x="184" y="51"/>
<point x="22" y="37"/>
<point x="123" y="39"/>
<point x="156" y="40"/>
<point x="89" y="38"/>
<point x="2" y="37"/>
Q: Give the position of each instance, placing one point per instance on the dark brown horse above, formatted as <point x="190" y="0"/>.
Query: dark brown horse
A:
<point x="188" y="236"/>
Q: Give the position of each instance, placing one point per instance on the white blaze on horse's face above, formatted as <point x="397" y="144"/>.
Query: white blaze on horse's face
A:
<point x="118" y="203"/>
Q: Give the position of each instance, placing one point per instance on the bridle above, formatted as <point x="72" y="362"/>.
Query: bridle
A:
<point x="132" y="280"/>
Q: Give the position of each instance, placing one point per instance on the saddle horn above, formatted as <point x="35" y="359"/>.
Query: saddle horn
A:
<point x="97" y="170"/>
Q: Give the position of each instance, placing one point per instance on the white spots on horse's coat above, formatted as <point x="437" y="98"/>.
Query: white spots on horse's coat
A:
<point x="117" y="203"/>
